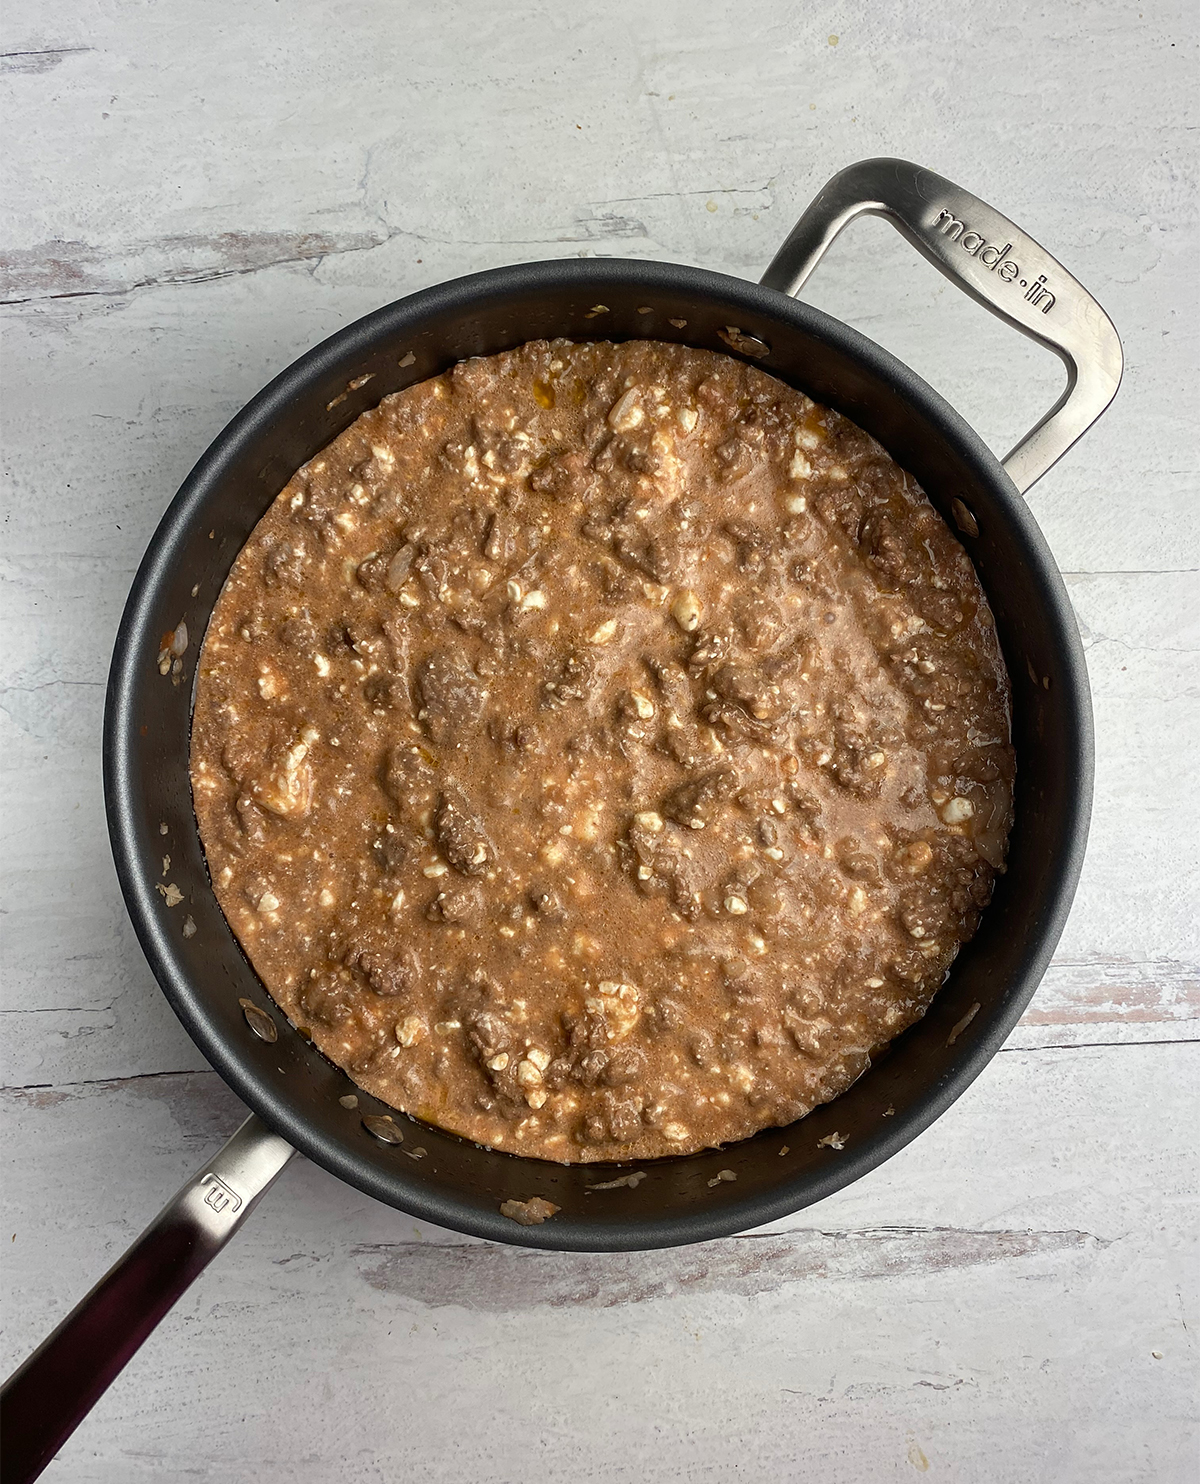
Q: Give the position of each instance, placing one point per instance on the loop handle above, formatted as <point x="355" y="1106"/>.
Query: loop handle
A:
<point x="988" y="257"/>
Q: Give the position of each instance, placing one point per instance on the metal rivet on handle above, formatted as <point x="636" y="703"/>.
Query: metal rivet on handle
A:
<point x="259" y="1021"/>
<point x="963" y="518"/>
<point x="745" y="345"/>
<point x="383" y="1127"/>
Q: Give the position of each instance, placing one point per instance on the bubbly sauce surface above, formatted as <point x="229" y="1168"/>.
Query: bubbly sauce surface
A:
<point x="602" y="750"/>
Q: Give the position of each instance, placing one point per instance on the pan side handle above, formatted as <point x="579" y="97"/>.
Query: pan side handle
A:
<point x="998" y="264"/>
<point x="46" y="1398"/>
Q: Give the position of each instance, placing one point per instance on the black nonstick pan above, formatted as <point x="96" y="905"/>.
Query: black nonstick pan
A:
<point x="295" y="1094"/>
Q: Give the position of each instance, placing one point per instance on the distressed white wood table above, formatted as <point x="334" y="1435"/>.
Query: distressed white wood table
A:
<point x="196" y="192"/>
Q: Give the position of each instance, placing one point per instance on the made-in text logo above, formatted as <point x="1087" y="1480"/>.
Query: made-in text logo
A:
<point x="996" y="259"/>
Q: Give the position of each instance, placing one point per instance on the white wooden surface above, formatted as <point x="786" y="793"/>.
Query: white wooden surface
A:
<point x="197" y="191"/>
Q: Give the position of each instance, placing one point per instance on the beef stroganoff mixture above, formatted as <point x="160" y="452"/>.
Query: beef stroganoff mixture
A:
<point x="602" y="750"/>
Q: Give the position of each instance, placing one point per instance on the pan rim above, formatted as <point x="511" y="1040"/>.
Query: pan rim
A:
<point x="121" y="785"/>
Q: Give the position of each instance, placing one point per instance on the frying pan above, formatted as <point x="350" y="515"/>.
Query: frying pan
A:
<point x="293" y="1091"/>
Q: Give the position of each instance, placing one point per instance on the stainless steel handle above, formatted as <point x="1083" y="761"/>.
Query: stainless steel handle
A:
<point x="993" y="261"/>
<point x="44" y="1401"/>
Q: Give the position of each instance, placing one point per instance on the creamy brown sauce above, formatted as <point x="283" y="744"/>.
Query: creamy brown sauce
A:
<point x="602" y="750"/>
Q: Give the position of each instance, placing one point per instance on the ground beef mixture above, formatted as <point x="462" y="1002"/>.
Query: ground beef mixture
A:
<point x="602" y="750"/>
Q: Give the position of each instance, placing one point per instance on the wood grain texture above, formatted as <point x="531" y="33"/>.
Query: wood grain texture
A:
<point x="198" y="192"/>
<point x="997" y="1290"/>
<point x="77" y="270"/>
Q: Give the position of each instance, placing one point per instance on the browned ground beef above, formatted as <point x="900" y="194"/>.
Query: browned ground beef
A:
<point x="602" y="750"/>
